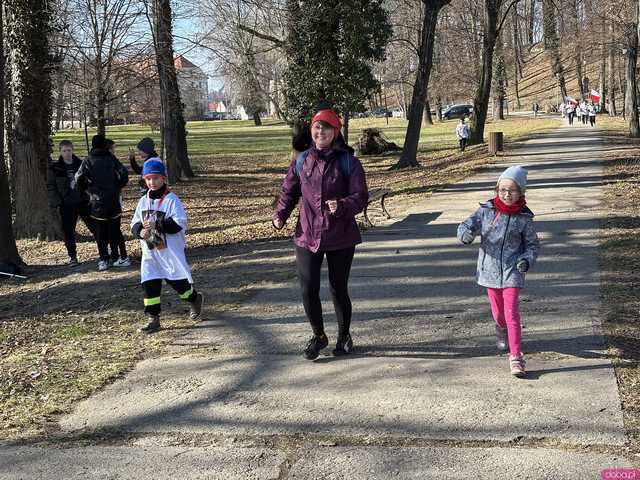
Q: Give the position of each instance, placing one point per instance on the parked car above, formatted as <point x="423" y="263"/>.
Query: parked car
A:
<point x="397" y="113"/>
<point x="380" y="112"/>
<point x="214" y="116"/>
<point x="457" y="111"/>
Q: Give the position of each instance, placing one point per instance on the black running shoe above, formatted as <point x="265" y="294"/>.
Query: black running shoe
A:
<point x="314" y="346"/>
<point x="153" y="324"/>
<point x="344" y="346"/>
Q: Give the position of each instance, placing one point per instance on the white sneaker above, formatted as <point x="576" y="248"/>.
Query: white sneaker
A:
<point x="122" y="262"/>
<point x="103" y="265"/>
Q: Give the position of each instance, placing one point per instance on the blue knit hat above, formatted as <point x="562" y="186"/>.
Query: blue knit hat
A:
<point x="517" y="174"/>
<point x="154" y="166"/>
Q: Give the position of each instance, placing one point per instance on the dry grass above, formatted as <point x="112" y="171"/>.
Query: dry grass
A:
<point x="620" y="242"/>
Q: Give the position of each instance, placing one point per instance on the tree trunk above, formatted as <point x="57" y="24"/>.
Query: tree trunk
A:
<point x="483" y="92"/>
<point x="60" y="91"/>
<point x="426" y="116"/>
<point x="631" y="98"/>
<point x="552" y="44"/>
<point x="30" y="83"/>
<point x="439" y="108"/>
<point x="175" y="135"/>
<point x="516" y="62"/>
<point x="8" y="250"/>
<point x="345" y="128"/>
<point x="100" y="98"/>
<point x="604" y="94"/>
<point x="425" y="61"/>
<point x="257" y="121"/>
<point x="532" y="17"/>
<point x="612" y="73"/>
<point x="499" y="88"/>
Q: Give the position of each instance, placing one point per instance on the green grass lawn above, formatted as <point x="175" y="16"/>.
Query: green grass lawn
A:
<point x="236" y="137"/>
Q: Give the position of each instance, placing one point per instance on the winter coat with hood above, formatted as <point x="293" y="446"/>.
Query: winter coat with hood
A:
<point x="322" y="179"/>
<point x="61" y="187"/>
<point x="504" y="241"/>
<point x="103" y="176"/>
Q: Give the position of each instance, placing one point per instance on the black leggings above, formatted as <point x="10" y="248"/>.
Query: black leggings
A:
<point x="153" y="289"/>
<point x="309" y="267"/>
<point x="107" y="234"/>
<point x="117" y="244"/>
<point x="463" y="144"/>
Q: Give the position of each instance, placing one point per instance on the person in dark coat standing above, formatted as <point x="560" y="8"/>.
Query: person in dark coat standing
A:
<point x="67" y="199"/>
<point x="103" y="176"/>
<point x="331" y="185"/>
<point x="146" y="150"/>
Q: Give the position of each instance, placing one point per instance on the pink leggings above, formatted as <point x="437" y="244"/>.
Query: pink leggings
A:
<point x="504" y="306"/>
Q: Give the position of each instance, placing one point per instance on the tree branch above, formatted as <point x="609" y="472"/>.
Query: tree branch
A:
<point x="263" y="36"/>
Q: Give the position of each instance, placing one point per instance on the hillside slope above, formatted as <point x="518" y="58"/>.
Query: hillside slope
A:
<point x="540" y="85"/>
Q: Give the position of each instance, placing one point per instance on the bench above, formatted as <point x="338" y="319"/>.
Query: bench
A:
<point x="375" y="195"/>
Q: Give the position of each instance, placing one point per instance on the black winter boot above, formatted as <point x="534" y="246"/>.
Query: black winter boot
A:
<point x="153" y="324"/>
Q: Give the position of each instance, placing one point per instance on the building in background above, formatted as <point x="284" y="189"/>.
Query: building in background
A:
<point x="192" y="82"/>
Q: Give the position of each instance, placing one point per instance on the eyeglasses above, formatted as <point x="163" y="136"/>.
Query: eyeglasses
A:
<point x="504" y="191"/>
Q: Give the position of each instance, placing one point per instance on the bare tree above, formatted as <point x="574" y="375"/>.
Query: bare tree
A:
<point x="108" y="43"/>
<point x="172" y="124"/>
<point x="552" y="44"/>
<point x="631" y="97"/>
<point x="8" y="250"/>
<point x="494" y="20"/>
<point x="427" y="40"/>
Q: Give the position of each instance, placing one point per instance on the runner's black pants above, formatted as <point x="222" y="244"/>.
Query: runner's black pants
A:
<point x="69" y="215"/>
<point x="153" y="289"/>
<point x="339" y="265"/>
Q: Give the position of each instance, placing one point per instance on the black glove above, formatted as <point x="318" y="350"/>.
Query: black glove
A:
<point x="522" y="266"/>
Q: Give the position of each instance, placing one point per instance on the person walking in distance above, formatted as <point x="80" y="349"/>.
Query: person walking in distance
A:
<point x="508" y="249"/>
<point x="330" y="184"/>
<point x="571" y="112"/>
<point x="591" y="111"/>
<point x="463" y="134"/>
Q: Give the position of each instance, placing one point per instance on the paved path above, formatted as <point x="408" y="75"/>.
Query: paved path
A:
<point x="426" y="396"/>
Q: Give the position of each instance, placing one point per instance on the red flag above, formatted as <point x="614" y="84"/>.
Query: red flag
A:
<point x="595" y="96"/>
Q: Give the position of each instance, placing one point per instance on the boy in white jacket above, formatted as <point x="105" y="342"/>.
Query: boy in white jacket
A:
<point x="463" y="134"/>
<point x="160" y="222"/>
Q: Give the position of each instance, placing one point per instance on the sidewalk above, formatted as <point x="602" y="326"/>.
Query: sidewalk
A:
<point x="426" y="396"/>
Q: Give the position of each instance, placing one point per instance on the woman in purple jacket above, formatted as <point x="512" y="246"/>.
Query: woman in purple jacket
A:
<point x="332" y="184"/>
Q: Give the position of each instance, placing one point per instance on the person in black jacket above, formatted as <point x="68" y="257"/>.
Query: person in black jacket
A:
<point x="67" y="199"/>
<point x="103" y="176"/>
<point x="146" y="150"/>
